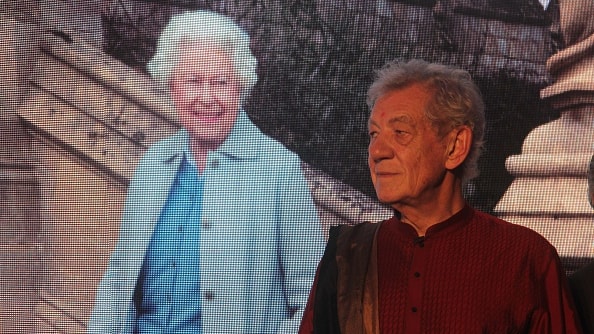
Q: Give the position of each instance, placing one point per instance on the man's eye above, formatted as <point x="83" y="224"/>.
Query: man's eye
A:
<point x="372" y="134"/>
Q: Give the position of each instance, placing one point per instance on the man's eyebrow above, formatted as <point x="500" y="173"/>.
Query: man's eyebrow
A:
<point x="402" y="118"/>
<point x="396" y="119"/>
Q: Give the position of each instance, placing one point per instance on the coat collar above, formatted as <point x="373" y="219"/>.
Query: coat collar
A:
<point x="244" y="140"/>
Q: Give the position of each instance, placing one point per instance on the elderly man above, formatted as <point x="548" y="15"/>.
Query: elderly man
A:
<point x="219" y="232"/>
<point x="437" y="266"/>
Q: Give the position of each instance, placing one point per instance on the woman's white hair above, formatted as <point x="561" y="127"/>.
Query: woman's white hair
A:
<point x="205" y="26"/>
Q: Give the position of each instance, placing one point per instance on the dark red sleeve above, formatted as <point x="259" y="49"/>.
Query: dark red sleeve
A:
<point x="306" y="326"/>
<point x="562" y="317"/>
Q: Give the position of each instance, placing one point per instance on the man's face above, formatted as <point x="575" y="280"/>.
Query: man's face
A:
<point x="206" y="92"/>
<point x="406" y="156"/>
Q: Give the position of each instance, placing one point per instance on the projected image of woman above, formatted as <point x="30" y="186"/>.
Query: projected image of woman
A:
<point x="219" y="232"/>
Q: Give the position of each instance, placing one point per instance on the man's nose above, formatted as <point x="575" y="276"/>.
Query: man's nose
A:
<point x="379" y="149"/>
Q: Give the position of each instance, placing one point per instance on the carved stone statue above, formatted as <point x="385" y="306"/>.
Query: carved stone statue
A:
<point x="572" y="92"/>
<point x="551" y="181"/>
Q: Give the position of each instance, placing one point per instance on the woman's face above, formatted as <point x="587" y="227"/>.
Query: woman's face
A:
<point x="206" y="92"/>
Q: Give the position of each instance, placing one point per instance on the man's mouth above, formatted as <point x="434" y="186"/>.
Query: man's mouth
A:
<point x="384" y="173"/>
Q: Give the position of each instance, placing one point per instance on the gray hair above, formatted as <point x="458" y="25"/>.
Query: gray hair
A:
<point x="208" y="26"/>
<point x="455" y="101"/>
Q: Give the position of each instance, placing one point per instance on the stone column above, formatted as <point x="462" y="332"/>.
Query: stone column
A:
<point x="550" y="190"/>
<point x="19" y="190"/>
<point x="18" y="44"/>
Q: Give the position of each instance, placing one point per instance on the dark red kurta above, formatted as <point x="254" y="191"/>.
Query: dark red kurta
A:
<point x="472" y="273"/>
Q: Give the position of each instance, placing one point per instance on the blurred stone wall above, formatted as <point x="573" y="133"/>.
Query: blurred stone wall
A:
<point x="20" y="200"/>
<point x="55" y="212"/>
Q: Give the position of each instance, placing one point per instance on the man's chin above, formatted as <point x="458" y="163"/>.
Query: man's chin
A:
<point x="388" y="200"/>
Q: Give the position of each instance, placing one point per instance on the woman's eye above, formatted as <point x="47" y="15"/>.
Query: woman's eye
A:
<point x="220" y="82"/>
<point x="193" y="81"/>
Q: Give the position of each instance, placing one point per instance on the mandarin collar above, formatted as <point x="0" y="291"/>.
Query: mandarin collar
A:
<point x="455" y="222"/>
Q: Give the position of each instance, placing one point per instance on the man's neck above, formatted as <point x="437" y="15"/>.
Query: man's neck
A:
<point x="422" y="216"/>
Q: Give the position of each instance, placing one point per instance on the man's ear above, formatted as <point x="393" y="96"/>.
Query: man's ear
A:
<point x="459" y="146"/>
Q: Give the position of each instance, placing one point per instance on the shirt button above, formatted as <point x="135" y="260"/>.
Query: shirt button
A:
<point x="417" y="274"/>
<point x="173" y="264"/>
<point x="208" y="295"/>
<point x="214" y="163"/>
<point x="180" y="228"/>
<point x="414" y="310"/>
<point x="205" y="224"/>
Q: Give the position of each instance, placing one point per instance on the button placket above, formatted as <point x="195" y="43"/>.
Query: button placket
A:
<point x="415" y="282"/>
<point x="208" y="295"/>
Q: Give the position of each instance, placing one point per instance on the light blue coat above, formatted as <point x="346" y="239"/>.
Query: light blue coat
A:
<point x="260" y="240"/>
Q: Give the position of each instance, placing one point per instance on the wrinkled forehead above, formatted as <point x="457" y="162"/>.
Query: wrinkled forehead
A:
<point x="406" y="104"/>
<point x="390" y="118"/>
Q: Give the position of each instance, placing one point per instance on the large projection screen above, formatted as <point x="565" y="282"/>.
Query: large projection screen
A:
<point x="79" y="110"/>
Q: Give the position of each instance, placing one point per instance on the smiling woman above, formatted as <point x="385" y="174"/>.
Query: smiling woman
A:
<point x="207" y="93"/>
<point x="219" y="232"/>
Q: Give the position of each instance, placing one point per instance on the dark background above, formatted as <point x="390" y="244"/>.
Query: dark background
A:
<point x="317" y="59"/>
